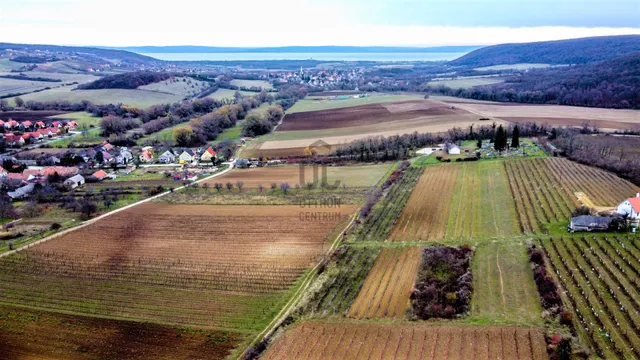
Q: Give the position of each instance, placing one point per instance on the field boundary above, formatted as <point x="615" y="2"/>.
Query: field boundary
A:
<point x="127" y="207"/>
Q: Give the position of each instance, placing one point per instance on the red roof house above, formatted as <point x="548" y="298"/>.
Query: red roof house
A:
<point x="100" y="174"/>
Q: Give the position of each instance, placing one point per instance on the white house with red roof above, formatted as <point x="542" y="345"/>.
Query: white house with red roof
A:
<point x="41" y="125"/>
<point x="11" y="124"/>
<point x="27" y="124"/>
<point x="208" y="155"/>
<point x="630" y="208"/>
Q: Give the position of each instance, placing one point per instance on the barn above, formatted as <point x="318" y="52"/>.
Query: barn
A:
<point x="589" y="223"/>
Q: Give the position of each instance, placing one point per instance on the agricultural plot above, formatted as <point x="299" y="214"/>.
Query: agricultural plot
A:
<point x="539" y="197"/>
<point x="33" y="334"/>
<point x="466" y="82"/>
<point x="228" y="267"/>
<point x="364" y="115"/>
<point x="598" y="277"/>
<point x="17" y="86"/>
<point x="182" y="86"/>
<point x="251" y="83"/>
<point x="425" y="215"/>
<point x="349" y="176"/>
<point x="384" y="214"/>
<point x="318" y="103"/>
<point x="603" y="188"/>
<point x="503" y="289"/>
<point x="458" y="202"/>
<point x="340" y="340"/>
<point x="385" y="293"/>
<point x="337" y="287"/>
<point x="133" y="97"/>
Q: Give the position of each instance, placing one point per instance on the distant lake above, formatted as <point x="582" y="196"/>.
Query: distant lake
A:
<point x="305" y="56"/>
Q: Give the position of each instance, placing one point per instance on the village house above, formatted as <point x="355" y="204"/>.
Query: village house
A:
<point x="187" y="156"/>
<point x="208" y="155"/>
<point x="3" y="172"/>
<point x="74" y="181"/>
<point x="146" y="156"/>
<point x="123" y="156"/>
<point x="100" y="175"/>
<point x="167" y="157"/>
<point x="41" y="125"/>
<point x="630" y="208"/>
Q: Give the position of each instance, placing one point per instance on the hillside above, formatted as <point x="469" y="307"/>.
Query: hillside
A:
<point x="299" y="49"/>
<point x="131" y="80"/>
<point x="610" y="84"/>
<point x="574" y="51"/>
<point x="121" y="55"/>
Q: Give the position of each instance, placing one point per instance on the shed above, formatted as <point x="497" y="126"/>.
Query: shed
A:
<point x="74" y="181"/>
<point x="590" y="223"/>
<point x="21" y="192"/>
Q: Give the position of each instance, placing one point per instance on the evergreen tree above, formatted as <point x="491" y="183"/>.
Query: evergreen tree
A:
<point x="500" y="141"/>
<point x="479" y="143"/>
<point x="515" y="141"/>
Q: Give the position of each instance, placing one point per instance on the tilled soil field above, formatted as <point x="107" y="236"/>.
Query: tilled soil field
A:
<point x="221" y="266"/>
<point x="322" y="340"/>
<point x="364" y="115"/>
<point x="28" y="334"/>
<point x="385" y="293"/>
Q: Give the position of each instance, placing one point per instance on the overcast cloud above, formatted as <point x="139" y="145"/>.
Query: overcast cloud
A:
<point x="311" y="22"/>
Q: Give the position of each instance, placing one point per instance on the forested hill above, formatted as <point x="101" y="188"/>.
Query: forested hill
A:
<point x="574" y="51"/>
<point x="121" y="55"/>
<point x="610" y="84"/>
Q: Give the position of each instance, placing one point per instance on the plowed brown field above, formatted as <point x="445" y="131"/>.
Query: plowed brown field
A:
<point x="321" y="340"/>
<point x="365" y="115"/>
<point x="220" y="266"/>
<point x="385" y="293"/>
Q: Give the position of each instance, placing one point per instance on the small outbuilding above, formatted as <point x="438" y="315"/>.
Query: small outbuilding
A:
<point x="74" y="181"/>
<point x="590" y="223"/>
<point x="454" y="150"/>
<point x="630" y="208"/>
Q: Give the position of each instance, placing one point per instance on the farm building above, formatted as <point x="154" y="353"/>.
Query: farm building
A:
<point x="630" y="208"/>
<point x="21" y="192"/>
<point x="100" y="175"/>
<point x="453" y="150"/>
<point x="74" y="181"/>
<point x="589" y="223"/>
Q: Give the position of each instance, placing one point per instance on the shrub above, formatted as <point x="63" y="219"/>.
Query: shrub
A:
<point x="444" y="284"/>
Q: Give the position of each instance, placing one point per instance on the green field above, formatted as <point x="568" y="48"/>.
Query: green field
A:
<point x="222" y="94"/>
<point x="466" y="83"/>
<point x="314" y="104"/>
<point x="181" y="86"/>
<point x="83" y="118"/>
<point x="135" y="97"/>
<point x="251" y="83"/>
<point x="91" y="136"/>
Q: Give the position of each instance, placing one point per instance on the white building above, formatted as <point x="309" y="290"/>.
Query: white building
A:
<point x="630" y="207"/>
<point x="454" y="150"/>
<point x="74" y="181"/>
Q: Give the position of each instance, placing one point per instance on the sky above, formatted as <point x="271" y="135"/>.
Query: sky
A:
<point x="250" y="23"/>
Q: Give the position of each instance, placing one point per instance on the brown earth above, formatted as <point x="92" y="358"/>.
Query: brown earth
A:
<point x="334" y="93"/>
<point x="385" y="292"/>
<point x="33" y="334"/>
<point x="345" y="340"/>
<point x="214" y="266"/>
<point x="364" y="115"/>
<point x="32" y="116"/>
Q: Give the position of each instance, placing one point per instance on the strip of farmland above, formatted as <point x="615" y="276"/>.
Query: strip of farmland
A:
<point x="340" y="340"/>
<point x="503" y="285"/>
<point x="225" y="266"/>
<point x="424" y="216"/>
<point x="599" y="279"/>
<point x="32" y="334"/>
<point x="385" y="293"/>
<point x="458" y="202"/>
<point x="365" y="115"/>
